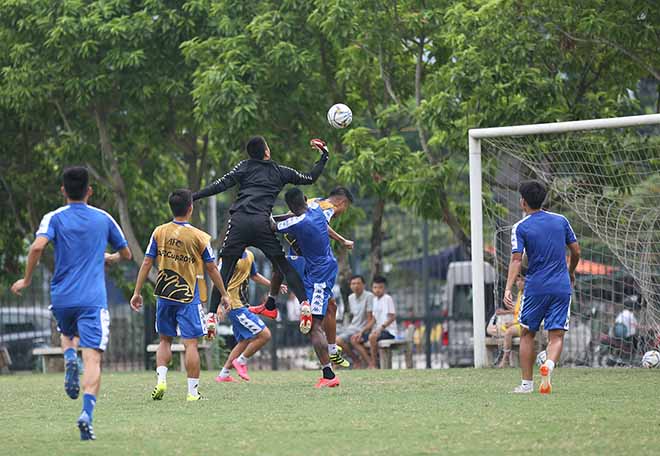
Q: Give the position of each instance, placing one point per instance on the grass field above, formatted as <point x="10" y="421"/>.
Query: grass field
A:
<point x="373" y="412"/>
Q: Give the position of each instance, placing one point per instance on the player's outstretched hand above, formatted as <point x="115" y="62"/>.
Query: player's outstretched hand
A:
<point x="508" y="299"/>
<point x="319" y="144"/>
<point x="19" y="286"/>
<point x="349" y="244"/>
<point x="136" y="302"/>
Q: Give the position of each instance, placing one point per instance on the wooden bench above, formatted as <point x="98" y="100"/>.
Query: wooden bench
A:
<point x="44" y="353"/>
<point x="181" y="350"/>
<point x="495" y="344"/>
<point x="385" y="348"/>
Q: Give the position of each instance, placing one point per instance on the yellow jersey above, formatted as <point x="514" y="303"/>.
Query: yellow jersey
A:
<point x="238" y="285"/>
<point x="180" y="251"/>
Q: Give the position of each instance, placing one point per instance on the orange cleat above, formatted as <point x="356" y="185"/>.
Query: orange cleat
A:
<point x="327" y="382"/>
<point x="305" y="317"/>
<point x="261" y="310"/>
<point x="546" y="386"/>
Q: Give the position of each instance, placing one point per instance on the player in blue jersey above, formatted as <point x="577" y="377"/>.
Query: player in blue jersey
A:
<point x="80" y="234"/>
<point x="543" y="236"/>
<point x="309" y="225"/>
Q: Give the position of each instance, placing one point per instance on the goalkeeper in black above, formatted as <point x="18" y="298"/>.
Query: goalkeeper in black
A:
<point x="260" y="181"/>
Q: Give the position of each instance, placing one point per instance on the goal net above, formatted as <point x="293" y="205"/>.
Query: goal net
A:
<point x="604" y="176"/>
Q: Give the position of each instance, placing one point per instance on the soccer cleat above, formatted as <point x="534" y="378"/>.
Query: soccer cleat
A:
<point x="85" y="427"/>
<point x="159" y="391"/>
<point x="261" y="310"/>
<point x="305" y="318"/>
<point x="72" y="379"/>
<point x="338" y="359"/>
<point x="546" y="386"/>
<point x="327" y="382"/>
<point x="211" y="325"/>
<point x="227" y="379"/>
<point x="522" y="390"/>
<point x="241" y="370"/>
<point x="192" y="398"/>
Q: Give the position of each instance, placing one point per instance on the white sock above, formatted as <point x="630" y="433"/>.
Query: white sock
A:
<point x="551" y="364"/>
<point x="327" y="365"/>
<point x="162" y="374"/>
<point x="193" y="384"/>
<point x="332" y="348"/>
<point x="224" y="372"/>
<point x="527" y="384"/>
<point x="241" y="359"/>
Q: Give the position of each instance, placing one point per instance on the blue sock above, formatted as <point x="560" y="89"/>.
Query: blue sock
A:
<point x="70" y="354"/>
<point x="89" y="401"/>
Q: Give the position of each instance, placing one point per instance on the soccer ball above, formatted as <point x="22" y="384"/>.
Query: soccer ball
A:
<point x="541" y="358"/>
<point x="340" y="116"/>
<point x="651" y="359"/>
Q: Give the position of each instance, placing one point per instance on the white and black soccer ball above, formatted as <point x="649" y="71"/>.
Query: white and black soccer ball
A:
<point x="541" y="358"/>
<point x="651" y="359"/>
<point x="340" y="116"/>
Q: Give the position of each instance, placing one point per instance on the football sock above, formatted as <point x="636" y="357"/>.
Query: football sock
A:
<point x="89" y="401"/>
<point x="332" y="348"/>
<point x="70" y="355"/>
<point x="193" y="384"/>
<point x="551" y="364"/>
<point x="327" y="372"/>
<point x="242" y="359"/>
<point x="270" y="303"/>
<point x="162" y="374"/>
<point x="527" y="384"/>
<point x="224" y="372"/>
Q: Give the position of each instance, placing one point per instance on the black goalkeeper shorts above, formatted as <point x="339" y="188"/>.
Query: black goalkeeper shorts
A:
<point x="245" y="230"/>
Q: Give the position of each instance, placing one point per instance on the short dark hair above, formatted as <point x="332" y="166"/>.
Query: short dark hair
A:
<point x="342" y="191"/>
<point x="180" y="201"/>
<point x="295" y="199"/>
<point x="256" y="147"/>
<point x="76" y="182"/>
<point x="357" y="276"/>
<point x="533" y="192"/>
<point x="380" y="279"/>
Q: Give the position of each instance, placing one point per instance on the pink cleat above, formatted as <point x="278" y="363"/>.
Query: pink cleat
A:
<point x="241" y="370"/>
<point x="327" y="383"/>
<point x="227" y="379"/>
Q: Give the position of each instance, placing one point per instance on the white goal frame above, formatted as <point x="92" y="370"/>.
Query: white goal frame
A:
<point x="475" y="136"/>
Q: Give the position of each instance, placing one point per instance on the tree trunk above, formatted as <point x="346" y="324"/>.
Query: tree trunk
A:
<point x="376" y="261"/>
<point x="118" y="188"/>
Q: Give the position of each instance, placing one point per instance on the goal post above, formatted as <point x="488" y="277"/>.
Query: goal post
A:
<point x="509" y="133"/>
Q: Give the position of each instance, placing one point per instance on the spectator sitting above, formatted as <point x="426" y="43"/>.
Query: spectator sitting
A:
<point x="510" y="327"/>
<point x="360" y="304"/>
<point x="382" y="321"/>
<point x="625" y="324"/>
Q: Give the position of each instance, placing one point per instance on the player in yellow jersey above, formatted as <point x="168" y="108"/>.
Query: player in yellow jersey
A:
<point x="182" y="254"/>
<point x="512" y="328"/>
<point x="250" y="332"/>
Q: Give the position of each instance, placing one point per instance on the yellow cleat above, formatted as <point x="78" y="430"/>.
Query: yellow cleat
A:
<point x="159" y="391"/>
<point x="546" y="386"/>
<point x="339" y="360"/>
<point x="192" y="398"/>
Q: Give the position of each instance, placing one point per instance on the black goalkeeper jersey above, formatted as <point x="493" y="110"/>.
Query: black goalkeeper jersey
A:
<point x="259" y="182"/>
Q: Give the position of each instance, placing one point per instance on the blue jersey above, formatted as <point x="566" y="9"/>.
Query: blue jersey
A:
<point x="544" y="237"/>
<point x="311" y="232"/>
<point x="80" y="234"/>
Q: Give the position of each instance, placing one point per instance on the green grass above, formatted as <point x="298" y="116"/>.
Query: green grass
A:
<point x="373" y="412"/>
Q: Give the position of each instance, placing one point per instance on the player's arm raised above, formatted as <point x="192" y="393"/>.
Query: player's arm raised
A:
<point x="225" y="182"/>
<point x="36" y="250"/>
<point x="295" y="177"/>
<point x="339" y="238"/>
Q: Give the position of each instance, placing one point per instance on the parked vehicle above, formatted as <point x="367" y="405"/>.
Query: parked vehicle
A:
<point x="21" y="330"/>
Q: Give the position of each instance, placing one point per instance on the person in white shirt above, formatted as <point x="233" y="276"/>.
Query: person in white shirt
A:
<point x="382" y="321"/>
<point x="625" y="324"/>
<point x="360" y="306"/>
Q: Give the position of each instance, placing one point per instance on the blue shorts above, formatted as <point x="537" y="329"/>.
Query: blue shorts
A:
<point x="245" y="324"/>
<point x="185" y="320"/>
<point x="298" y="263"/>
<point x="553" y="310"/>
<point x="317" y="288"/>
<point x="91" y="324"/>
